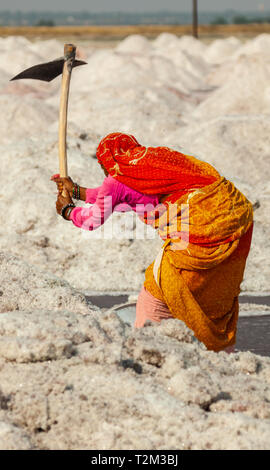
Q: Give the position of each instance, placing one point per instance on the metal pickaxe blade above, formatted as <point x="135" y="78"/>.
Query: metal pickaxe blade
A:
<point x="48" y="72"/>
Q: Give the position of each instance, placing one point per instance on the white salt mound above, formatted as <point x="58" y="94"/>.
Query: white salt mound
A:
<point x="244" y="91"/>
<point x="134" y="44"/>
<point x="164" y="92"/>
<point x="12" y="437"/>
<point x="31" y="113"/>
<point x="16" y="61"/>
<point x="189" y="43"/>
<point x="75" y="377"/>
<point x="23" y="286"/>
<point x="257" y="45"/>
<point x="221" y="49"/>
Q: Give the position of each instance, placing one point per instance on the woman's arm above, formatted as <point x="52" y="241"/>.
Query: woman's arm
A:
<point x="78" y="192"/>
<point x="90" y="194"/>
<point x="107" y="199"/>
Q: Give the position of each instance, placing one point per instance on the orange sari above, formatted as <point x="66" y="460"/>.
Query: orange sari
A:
<point x="201" y="283"/>
<point x="206" y="223"/>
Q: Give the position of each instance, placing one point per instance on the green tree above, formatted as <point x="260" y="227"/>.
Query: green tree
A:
<point x="44" y="22"/>
<point x="219" y="20"/>
<point x="240" y="19"/>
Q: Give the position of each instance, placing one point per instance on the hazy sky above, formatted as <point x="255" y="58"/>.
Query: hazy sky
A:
<point x="131" y="5"/>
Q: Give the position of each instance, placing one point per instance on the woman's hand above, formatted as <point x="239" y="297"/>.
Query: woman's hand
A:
<point x="63" y="183"/>
<point x="62" y="202"/>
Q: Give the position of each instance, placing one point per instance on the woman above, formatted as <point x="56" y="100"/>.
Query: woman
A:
<point x="205" y="221"/>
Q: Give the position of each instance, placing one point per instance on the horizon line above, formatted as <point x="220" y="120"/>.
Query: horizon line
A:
<point x="228" y="10"/>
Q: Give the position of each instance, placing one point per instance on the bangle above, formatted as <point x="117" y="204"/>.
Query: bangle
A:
<point x="76" y="191"/>
<point x="64" y="208"/>
<point x="68" y="212"/>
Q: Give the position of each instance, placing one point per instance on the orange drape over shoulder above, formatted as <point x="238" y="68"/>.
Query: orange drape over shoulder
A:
<point x="208" y="216"/>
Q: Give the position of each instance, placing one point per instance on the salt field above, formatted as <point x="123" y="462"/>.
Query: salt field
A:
<point x="73" y="373"/>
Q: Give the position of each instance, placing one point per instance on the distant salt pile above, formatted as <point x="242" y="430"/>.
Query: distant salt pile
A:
<point x="245" y="90"/>
<point x="134" y="44"/>
<point x="131" y="84"/>
<point x="23" y="116"/>
<point x="258" y="45"/>
<point x="16" y="54"/>
<point x="221" y="49"/>
<point x="209" y="100"/>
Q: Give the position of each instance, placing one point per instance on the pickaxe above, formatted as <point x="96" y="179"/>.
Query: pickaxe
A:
<point x="47" y="72"/>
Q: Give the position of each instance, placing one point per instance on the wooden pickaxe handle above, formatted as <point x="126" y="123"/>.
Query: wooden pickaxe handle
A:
<point x="69" y="54"/>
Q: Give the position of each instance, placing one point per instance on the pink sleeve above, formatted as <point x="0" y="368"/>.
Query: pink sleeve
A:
<point x="91" y="195"/>
<point x="123" y="207"/>
<point x="95" y="216"/>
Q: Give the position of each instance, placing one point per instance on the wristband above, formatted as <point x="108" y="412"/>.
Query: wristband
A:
<point x="76" y="191"/>
<point x="68" y="212"/>
<point x="64" y="208"/>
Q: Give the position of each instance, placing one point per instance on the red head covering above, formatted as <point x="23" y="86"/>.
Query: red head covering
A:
<point x="158" y="170"/>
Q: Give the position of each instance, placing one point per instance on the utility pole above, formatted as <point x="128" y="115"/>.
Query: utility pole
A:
<point x="195" y="18"/>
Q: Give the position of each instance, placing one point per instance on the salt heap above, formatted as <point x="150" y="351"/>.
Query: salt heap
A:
<point x="221" y="49"/>
<point x="244" y="91"/>
<point x="75" y="378"/>
<point x="165" y="92"/>
<point x="70" y="374"/>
